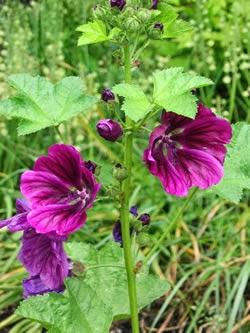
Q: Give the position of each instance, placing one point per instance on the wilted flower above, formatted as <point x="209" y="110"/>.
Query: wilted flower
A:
<point x="19" y="221"/>
<point x="145" y="219"/>
<point x="90" y="165"/>
<point x="117" y="232"/>
<point x="109" y="129"/>
<point x="118" y="3"/>
<point x="184" y="152"/>
<point x="44" y="257"/>
<point x="107" y="95"/>
<point x="154" y="4"/>
<point x="60" y="189"/>
<point x="159" y="26"/>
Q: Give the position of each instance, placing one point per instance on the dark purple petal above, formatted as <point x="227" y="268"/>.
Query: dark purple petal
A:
<point x="107" y="95"/>
<point x="34" y="286"/>
<point x="134" y="210"/>
<point x="109" y="129"/>
<point x="117" y="232"/>
<point x="44" y="257"/>
<point x="118" y="3"/>
<point x="61" y="219"/>
<point x="145" y="219"/>
<point x="43" y="188"/>
<point x="63" y="161"/>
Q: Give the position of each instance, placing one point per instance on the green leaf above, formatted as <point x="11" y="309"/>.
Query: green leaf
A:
<point x="105" y="271"/>
<point x="172" y="90"/>
<point x="40" y="104"/>
<point x="78" y="310"/>
<point x="175" y="29"/>
<point x="136" y="105"/>
<point x="237" y="165"/>
<point x="95" y="32"/>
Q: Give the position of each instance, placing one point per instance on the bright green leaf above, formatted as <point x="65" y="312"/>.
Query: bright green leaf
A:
<point x="105" y="271"/>
<point x="237" y="165"/>
<point x="175" y="29"/>
<point x="40" y="104"/>
<point x="136" y="105"/>
<point x="93" y="32"/>
<point x="80" y="311"/>
<point x="172" y="90"/>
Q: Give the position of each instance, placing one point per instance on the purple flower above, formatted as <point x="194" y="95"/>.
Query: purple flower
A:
<point x="117" y="232"/>
<point x="134" y="210"/>
<point x="60" y="189"/>
<point x="44" y="258"/>
<point x="19" y="221"/>
<point x="184" y="152"/>
<point x="109" y="129"/>
<point x="107" y="95"/>
<point x="145" y="219"/>
<point x="154" y="4"/>
<point x="159" y="26"/>
<point x="118" y="3"/>
<point x="34" y="286"/>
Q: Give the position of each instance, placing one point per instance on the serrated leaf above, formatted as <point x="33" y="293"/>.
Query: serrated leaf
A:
<point x="136" y="105"/>
<point x="175" y="29"/>
<point x="108" y="277"/>
<point x="172" y="90"/>
<point x="93" y="32"/>
<point x="40" y="104"/>
<point x="237" y="165"/>
<point x="78" y="310"/>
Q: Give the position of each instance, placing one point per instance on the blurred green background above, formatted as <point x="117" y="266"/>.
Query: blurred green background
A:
<point x="206" y="258"/>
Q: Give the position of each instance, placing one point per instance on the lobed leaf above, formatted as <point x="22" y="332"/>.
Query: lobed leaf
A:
<point x="40" y="104"/>
<point x="172" y="90"/>
<point x="136" y="105"/>
<point x="237" y="165"/>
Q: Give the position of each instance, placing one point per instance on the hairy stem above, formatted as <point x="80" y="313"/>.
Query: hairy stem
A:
<point x="125" y="195"/>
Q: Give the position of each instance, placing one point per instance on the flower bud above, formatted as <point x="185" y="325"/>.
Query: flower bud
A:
<point x="120" y="172"/>
<point x="134" y="211"/>
<point x="118" y="3"/>
<point x="107" y="95"/>
<point x="91" y="166"/>
<point x="117" y="232"/>
<point x="132" y="25"/>
<point x="145" y="219"/>
<point x="159" y="26"/>
<point x="143" y="239"/>
<point x="154" y="4"/>
<point x="144" y="15"/>
<point x="99" y="12"/>
<point x="109" y="129"/>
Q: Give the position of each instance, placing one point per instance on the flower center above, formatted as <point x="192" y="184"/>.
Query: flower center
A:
<point x="76" y="196"/>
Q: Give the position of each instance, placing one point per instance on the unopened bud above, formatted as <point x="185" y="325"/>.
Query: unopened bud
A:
<point x="120" y="172"/>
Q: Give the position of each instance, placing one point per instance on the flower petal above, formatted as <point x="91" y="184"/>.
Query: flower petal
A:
<point x="62" y="219"/>
<point x="44" y="257"/>
<point x="34" y="286"/>
<point x="63" y="161"/>
<point x="43" y="188"/>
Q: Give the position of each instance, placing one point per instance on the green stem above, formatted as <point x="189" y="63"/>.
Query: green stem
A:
<point x="172" y="225"/>
<point x="125" y="195"/>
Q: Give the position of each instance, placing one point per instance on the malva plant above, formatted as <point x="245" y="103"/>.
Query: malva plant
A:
<point x="187" y="150"/>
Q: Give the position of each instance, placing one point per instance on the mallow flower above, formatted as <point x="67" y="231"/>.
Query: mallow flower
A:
<point x="109" y="129"/>
<point x="183" y="152"/>
<point x="60" y="189"/>
<point x="118" y="3"/>
<point x="19" y="221"/>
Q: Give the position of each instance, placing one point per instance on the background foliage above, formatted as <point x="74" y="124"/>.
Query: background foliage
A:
<point x="206" y="257"/>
